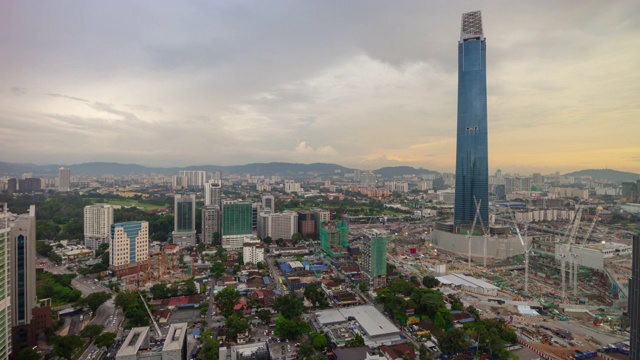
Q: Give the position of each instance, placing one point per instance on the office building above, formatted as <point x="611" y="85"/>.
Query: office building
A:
<point x="175" y="344"/>
<point x="252" y="253"/>
<point x="12" y="185"/>
<point x="334" y="237"/>
<point x="237" y="218"/>
<point x="374" y="258"/>
<point x="97" y="225"/>
<point x="472" y="179"/>
<point x="129" y="244"/>
<point x="23" y="281"/>
<point x="268" y="203"/>
<point x="320" y="216"/>
<point x="306" y="224"/>
<point x="634" y="299"/>
<point x="184" y="224"/>
<point x="278" y="226"/>
<point x="5" y="282"/>
<point x="211" y="224"/>
<point x="29" y="185"/>
<point x="213" y="193"/>
<point x="64" y="179"/>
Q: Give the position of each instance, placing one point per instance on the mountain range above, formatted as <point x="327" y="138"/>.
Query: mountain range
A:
<point x="608" y="174"/>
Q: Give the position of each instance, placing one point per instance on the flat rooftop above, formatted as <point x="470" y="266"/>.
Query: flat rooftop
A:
<point x="175" y="337"/>
<point x="461" y="279"/>
<point x="367" y="316"/>
<point x="134" y="341"/>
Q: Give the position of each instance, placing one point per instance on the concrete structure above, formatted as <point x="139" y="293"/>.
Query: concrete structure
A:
<point x="634" y="300"/>
<point x="211" y="223"/>
<point x="278" y="226"/>
<point x="5" y="283"/>
<point x="175" y="345"/>
<point x="129" y="244"/>
<point x="97" y="224"/>
<point x="334" y="237"/>
<point x="498" y="247"/>
<point x="375" y="328"/>
<point x="592" y="255"/>
<point x="138" y="339"/>
<point x="374" y="258"/>
<point x="252" y="253"/>
<point x="253" y="351"/>
<point x="472" y="173"/>
<point x="64" y="179"/>
<point x="23" y="263"/>
<point x="213" y="193"/>
<point x="236" y="218"/>
<point x="195" y="178"/>
<point x="184" y="223"/>
<point x="469" y="283"/>
<point x="236" y="242"/>
<point x="268" y="203"/>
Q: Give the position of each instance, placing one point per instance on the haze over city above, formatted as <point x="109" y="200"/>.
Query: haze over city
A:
<point x="360" y="84"/>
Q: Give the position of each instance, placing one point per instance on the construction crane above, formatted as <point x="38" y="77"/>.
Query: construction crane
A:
<point x="526" y="254"/>
<point x="150" y="315"/>
<point x="485" y="232"/>
<point x="593" y="224"/>
<point x="567" y="250"/>
<point x="473" y="226"/>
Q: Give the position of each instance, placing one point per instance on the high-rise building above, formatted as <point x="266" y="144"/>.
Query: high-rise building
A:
<point x="12" y="185"/>
<point x="29" y="185"/>
<point x="195" y="178"/>
<point x="97" y="224"/>
<point x="217" y="175"/>
<point x="5" y="283"/>
<point x="252" y="253"/>
<point x="211" y="223"/>
<point x="268" y="203"/>
<point x="306" y="224"/>
<point x="24" y="305"/>
<point x="334" y="237"/>
<point x="64" y="179"/>
<point x="634" y="299"/>
<point x="291" y="186"/>
<point x="472" y="180"/>
<point x="320" y="216"/>
<point x="278" y="226"/>
<point x="184" y="224"/>
<point x="213" y="193"/>
<point x="374" y="257"/>
<point x="129" y="244"/>
<point x="237" y="218"/>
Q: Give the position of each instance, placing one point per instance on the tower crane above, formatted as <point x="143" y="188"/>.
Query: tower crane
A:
<point x="150" y="315"/>
<point x="485" y="232"/>
<point x="567" y="250"/>
<point x="526" y="253"/>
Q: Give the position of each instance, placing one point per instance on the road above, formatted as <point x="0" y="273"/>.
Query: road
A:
<point x="111" y="318"/>
<point x="88" y="286"/>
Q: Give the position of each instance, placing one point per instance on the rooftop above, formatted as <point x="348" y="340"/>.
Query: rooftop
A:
<point x="461" y="279"/>
<point x="471" y="26"/>
<point x="175" y="337"/>
<point x="134" y="341"/>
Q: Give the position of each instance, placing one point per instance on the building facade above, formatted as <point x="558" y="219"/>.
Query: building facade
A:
<point x="64" y="179"/>
<point x="252" y="253"/>
<point x="195" y="178"/>
<point x="184" y="224"/>
<point x="278" y="226"/>
<point x="213" y="193"/>
<point x="5" y="283"/>
<point x="97" y="225"/>
<point x="237" y="218"/>
<point x="129" y="244"/>
<point x="334" y="237"/>
<point x="211" y="223"/>
<point x="268" y="203"/>
<point x="306" y="224"/>
<point x="374" y="258"/>
<point x="634" y="299"/>
<point x="472" y="178"/>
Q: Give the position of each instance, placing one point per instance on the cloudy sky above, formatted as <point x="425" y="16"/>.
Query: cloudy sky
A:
<point x="364" y="84"/>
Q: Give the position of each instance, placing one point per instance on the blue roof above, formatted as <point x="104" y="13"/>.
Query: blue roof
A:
<point x="286" y="268"/>
<point x="266" y="280"/>
<point x="196" y="332"/>
<point x="305" y="263"/>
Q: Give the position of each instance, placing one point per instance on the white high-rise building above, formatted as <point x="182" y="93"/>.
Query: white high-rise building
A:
<point x="268" y="203"/>
<point x="252" y="253"/>
<point x="97" y="224"/>
<point x="195" y="178"/>
<point x="278" y="226"/>
<point x="5" y="283"/>
<point x="64" y="179"/>
<point x="213" y="193"/>
<point x="291" y="186"/>
<point x="129" y="244"/>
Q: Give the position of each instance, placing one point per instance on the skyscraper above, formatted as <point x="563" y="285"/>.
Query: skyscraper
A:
<point x="64" y="179"/>
<point x="5" y="283"/>
<point x="97" y="224"/>
<point x="129" y="244"/>
<point x="472" y="180"/>
<point x="184" y="226"/>
<point x="634" y="299"/>
<point x="213" y="193"/>
<point x="236" y="218"/>
<point x="374" y="258"/>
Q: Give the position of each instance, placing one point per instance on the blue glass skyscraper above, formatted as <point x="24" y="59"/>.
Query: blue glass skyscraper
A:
<point x="472" y="178"/>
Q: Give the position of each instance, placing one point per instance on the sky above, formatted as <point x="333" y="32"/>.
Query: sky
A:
<point x="363" y="84"/>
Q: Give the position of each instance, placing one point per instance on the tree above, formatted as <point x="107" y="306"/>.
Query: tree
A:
<point x="105" y="339"/>
<point x="65" y="346"/>
<point x="91" y="331"/>
<point x="159" y="290"/>
<point x="94" y="300"/>
<point x="189" y="288"/>
<point x="357" y="341"/>
<point x="101" y="249"/>
<point x="430" y="282"/>
<point x="290" y="329"/>
<point x="226" y="300"/>
<point x="364" y="287"/>
<point x="210" y="347"/>
<point x="289" y="306"/>
<point x="267" y="240"/>
<point x="236" y="324"/>
<point x="318" y="341"/>
<point x="452" y="340"/>
<point x="217" y="269"/>
<point x="260" y="265"/>
<point x="27" y="354"/>
<point x="424" y="353"/>
<point x="315" y="295"/>
<point x="438" y="321"/>
<point x="216" y="238"/>
<point x="296" y="238"/>
<point x="264" y="315"/>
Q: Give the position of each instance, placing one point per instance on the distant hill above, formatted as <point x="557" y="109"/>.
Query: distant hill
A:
<point x="392" y="171"/>
<point x="608" y="174"/>
<point x="117" y="169"/>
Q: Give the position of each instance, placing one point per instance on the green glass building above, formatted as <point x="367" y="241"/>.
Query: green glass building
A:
<point x="237" y="218"/>
<point x="374" y="257"/>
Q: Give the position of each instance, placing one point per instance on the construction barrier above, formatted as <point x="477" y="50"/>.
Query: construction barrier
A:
<point x="542" y="354"/>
